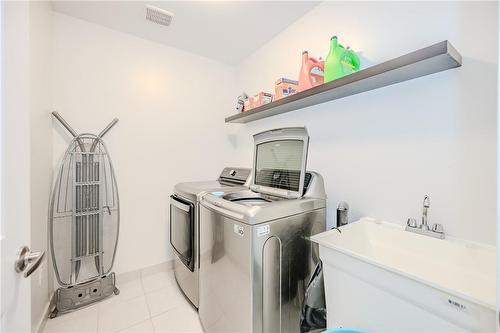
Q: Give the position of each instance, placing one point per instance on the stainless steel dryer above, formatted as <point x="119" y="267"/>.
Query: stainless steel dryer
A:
<point x="256" y="257"/>
<point x="184" y="225"/>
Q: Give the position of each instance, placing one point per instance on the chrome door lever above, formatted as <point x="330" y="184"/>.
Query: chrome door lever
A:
<point x="27" y="259"/>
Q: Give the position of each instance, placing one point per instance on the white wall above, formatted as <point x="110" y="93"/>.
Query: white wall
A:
<point x="171" y="105"/>
<point x="381" y="151"/>
<point x="41" y="151"/>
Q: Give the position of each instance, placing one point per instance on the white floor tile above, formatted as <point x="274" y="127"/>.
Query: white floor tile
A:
<point x="83" y="320"/>
<point x="164" y="267"/>
<point x="114" y="317"/>
<point x="71" y="326"/>
<point x="164" y="299"/>
<point x="157" y="281"/>
<point x="87" y="312"/>
<point x="179" y="319"/>
<point x="129" y="276"/>
<point x="144" y="327"/>
<point x="128" y="290"/>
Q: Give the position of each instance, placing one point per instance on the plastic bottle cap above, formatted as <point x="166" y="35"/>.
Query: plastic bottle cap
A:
<point x="343" y="205"/>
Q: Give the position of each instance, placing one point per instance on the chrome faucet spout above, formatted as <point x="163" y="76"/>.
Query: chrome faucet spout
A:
<point x="426" y="206"/>
<point x="423" y="229"/>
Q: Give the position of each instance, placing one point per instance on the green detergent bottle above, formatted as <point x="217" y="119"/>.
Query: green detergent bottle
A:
<point x="333" y="62"/>
<point x="350" y="61"/>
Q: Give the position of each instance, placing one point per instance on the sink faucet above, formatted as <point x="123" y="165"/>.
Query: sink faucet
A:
<point x="423" y="228"/>
<point x="426" y="205"/>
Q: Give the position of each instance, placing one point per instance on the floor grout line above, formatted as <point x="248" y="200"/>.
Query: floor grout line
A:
<point x="142" y="321"/>
<point x="147" y="304"/>
<point x="169" y="310"/>
<point x="98" y="315"/>
<point x="145" y="296"/>
<point x="145" y="293"/>
<point x="126" y="301"/>
<point x="154" y="327"/>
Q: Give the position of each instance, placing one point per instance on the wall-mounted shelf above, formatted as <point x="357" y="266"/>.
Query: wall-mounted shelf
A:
<point x="429" y="60"/>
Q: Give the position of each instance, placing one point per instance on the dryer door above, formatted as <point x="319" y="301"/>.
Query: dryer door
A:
<point x="182" y="229"/>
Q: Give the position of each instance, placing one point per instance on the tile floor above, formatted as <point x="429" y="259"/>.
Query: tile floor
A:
<point x="147" y="303"/>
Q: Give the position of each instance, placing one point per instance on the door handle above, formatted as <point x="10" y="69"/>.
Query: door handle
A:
<point x="30" y="260"/>
<point x="179" y="204"/>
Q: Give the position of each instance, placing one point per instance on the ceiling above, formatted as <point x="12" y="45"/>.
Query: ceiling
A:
<point x="227" y="31"/>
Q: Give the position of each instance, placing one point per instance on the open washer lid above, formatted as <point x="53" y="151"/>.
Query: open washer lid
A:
<point x="279" y="165"/>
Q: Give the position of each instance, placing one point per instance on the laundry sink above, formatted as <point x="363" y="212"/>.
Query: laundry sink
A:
<point x="380" y="278"/>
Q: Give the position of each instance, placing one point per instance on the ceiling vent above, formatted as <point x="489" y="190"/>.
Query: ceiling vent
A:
<point x="158" y="15"/>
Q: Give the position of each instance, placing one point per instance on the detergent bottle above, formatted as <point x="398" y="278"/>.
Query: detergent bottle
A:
<point x="311" y="72"/>
<point x="333" y="63"/>
<point x="350" y="61"/>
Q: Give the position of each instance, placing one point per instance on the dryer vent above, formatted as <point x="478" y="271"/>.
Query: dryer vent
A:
<point x="158" y="15"/>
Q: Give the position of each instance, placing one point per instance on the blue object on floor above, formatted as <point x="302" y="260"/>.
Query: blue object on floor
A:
<point x="344" y="330"/>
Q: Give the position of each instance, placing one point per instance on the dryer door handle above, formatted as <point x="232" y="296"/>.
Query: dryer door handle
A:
<point x="179" y="204"/>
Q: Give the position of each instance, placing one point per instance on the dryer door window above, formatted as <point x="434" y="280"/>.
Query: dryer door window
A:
<point x="182" y="229"/>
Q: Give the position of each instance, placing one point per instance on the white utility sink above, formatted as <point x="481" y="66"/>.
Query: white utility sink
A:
<point x="381" y="278"/>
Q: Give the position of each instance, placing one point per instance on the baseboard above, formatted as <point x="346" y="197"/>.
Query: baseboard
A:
<point x="132" y="275"/>
<point x="43" y="321"/>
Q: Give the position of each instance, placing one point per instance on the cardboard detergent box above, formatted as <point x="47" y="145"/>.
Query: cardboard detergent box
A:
<point x="285" y="87"/>
<point x="258" y="100"/>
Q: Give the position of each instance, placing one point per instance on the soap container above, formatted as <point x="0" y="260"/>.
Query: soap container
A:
<point x="311" y="72"/>
<point x="284" y="87"/>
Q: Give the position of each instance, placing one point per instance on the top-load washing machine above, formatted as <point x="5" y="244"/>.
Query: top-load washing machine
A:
<point x="255" y="254"/>
<point x="184" y="225"/>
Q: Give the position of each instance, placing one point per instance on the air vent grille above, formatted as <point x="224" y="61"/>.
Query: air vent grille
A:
<point x="158" y="15"/>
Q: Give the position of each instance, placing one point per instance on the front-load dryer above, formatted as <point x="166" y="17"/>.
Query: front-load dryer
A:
<point x="255" y="254"/>
<point x="184" y="225"/>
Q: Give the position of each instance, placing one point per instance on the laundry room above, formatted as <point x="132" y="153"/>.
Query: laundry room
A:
<point x="249" y="166"/>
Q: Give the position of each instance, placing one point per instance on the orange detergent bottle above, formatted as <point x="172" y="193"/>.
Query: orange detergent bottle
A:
<point x="311" y="72"/>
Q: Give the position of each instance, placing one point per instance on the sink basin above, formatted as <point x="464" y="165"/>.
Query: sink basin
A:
<point x="380" y="278"/>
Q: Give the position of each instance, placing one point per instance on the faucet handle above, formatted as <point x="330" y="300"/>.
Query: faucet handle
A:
<point x="411" y="222"/>
<point x="436" y="227"/>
